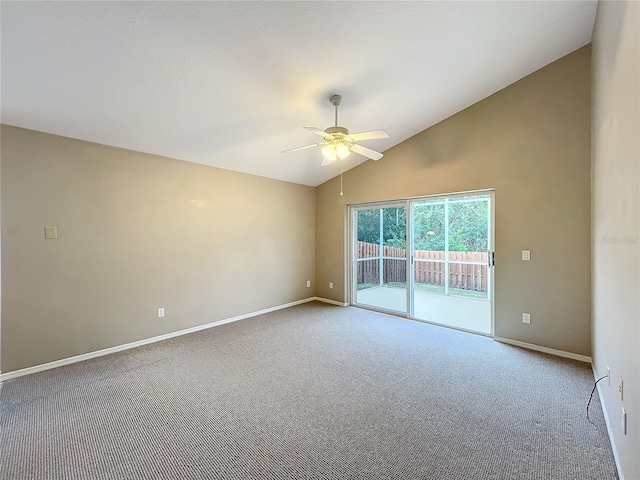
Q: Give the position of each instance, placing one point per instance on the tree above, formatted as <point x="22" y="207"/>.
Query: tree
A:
<point x="369" y="225"/>
<point x="468" y="225"/>
<point x="428" y="226"/>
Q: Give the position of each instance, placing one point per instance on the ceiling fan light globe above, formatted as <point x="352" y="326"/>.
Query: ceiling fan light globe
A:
<point x="329" y="152"/>
<point x="342" y="151"/>
<point x="335" y="151"/>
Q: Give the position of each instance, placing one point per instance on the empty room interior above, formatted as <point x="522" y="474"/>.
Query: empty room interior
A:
<point x="437" y="277"/>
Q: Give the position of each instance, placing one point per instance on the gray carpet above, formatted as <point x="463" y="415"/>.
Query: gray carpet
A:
<point x="310" y="392"/>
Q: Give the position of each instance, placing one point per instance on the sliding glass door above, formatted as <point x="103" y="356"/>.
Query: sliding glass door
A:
<point x="427" y="258"/>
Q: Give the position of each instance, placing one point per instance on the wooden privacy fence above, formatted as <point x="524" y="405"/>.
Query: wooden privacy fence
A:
<point x="429" y="267"/>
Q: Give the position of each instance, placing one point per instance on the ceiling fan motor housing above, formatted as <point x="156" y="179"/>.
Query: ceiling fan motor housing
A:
<point x="341" y="130"/>
<point x="337" y="135"/>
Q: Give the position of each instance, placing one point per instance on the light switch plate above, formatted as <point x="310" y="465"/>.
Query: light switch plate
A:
<point x="50" y="233"/>
<point x="526" y="255"/>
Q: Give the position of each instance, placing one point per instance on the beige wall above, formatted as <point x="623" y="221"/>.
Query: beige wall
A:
<point x="616" y="223"/>
<point x="531" y="142"/>
<point x="137" y="232"/>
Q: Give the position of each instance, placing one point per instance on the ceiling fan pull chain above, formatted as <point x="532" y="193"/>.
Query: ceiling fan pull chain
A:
<point x="341" y="169"/>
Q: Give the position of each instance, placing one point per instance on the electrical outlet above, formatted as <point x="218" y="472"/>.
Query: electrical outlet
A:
<point x="621" y="389"/>
<point x="526" y="255"/>
<point x="624" y="421"/>
<point x="308" y="283"/>
<point x="160" y="312"/>
<point x="330" y="284"/>
<point x="526" y="318"/>
<point x="608" y="376"/>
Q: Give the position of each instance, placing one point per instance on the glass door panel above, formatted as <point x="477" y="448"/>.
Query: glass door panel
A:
<point x="468" y="246"/>
<point x="380" y="266"/>
<point x="428" y="246"/>
<point x="450" y="261"/>
<point x="367" y="249"/>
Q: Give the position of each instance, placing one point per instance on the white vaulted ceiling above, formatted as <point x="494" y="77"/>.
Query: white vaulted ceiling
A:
<point x="231" y="84"/>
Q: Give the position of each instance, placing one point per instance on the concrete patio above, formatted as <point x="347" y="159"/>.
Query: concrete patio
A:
<point x="450" y="310"/>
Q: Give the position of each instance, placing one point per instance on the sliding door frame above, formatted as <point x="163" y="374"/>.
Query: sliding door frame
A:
<point x="408" y="204"/>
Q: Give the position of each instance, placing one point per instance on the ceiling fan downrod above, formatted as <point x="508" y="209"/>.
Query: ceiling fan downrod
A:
<point x="335" y="101"/>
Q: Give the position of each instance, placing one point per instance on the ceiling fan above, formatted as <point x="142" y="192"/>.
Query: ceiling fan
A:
<point x="338" y="143"/>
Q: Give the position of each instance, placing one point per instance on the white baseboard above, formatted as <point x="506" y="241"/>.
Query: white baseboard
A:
<point x="609" y="431"/>
<point x="538" y="348"/>
<point x="332" y="302"/>
<point x="146" y="341"/>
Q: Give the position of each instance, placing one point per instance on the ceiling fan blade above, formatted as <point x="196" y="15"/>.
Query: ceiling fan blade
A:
<point x="372" y="135"/>
<point x="366" y="152"/>
<point x="303" y="148"/>
<point x="317" y="131"/>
